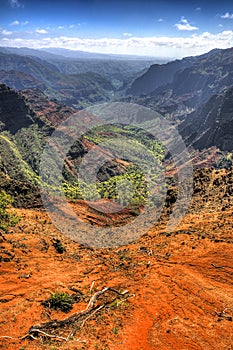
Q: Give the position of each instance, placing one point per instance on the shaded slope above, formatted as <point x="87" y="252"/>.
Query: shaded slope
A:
<point x="180" y="86"/>
<point x="212" y="124"/>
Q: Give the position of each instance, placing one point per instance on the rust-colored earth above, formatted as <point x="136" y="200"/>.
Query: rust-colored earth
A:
<point x="180" y="283"/>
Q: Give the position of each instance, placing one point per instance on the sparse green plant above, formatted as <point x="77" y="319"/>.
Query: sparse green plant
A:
<point x="115" y="330"/>
<point x="7" y="219"/>
<point x="59" y="301"/>
<point x="117" y="303"/>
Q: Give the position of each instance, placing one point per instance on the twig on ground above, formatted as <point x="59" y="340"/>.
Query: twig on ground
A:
<point x="83" y="316"/>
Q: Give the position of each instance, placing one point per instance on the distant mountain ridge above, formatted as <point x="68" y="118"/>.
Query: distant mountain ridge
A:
<point x="54" y="52"/>
<point x="191" y="81"/>
<point x="78" y="80"/>
<point x="22" y="72"/>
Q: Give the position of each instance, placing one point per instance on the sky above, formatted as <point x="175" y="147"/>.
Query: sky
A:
<point x="171" y="29"/>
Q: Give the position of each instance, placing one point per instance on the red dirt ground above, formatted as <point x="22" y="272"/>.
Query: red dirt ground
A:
<point x="180" y="285"/>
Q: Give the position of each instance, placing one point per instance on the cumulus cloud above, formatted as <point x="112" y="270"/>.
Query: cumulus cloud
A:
<point x="227" y="16"/>
<point x="127" y="34"/>
<point x="154" y="46"/>
<point x="15" y="4"/>
<point x="198" y="9"/>
<point x="5" y="32"/>
<point x="160" y="20"/>
<point x="184" y="25"/>
<point x="41" y="31"/>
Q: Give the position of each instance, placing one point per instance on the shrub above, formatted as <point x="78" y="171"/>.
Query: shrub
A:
<point x="59" y="301"/>
<point x="58" y="246"/>
<point x="6" y="218"/>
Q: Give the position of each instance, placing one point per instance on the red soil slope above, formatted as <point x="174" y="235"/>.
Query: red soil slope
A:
<point x="180" y="284"/>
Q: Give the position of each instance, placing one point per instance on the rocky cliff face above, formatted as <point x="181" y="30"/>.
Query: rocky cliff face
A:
<point x="189" y="82"/>
<point x="15" y="113"/>
<point x="212" y="124"/>
<point x="156" y="76"/>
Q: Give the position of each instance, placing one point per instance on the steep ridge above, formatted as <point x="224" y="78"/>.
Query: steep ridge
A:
<point x="14" y="111"/>
<point x="156" y="76"/>
<point x="212" y="124"/>
<point x="189" y="82"/>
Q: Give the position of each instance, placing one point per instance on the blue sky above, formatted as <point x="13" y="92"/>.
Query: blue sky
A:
<point x="155" y="28"/>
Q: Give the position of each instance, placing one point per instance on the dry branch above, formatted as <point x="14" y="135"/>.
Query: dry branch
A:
<point x="83" y="316"/>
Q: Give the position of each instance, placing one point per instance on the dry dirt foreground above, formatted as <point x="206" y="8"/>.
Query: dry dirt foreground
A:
<point x="180" y="286"/>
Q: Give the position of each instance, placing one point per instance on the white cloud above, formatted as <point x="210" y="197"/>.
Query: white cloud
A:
<point x="41" y="31"/>
<point x="184" y="25"/>
<point x="6" y="32"/>
<point x="153" y="46"/>
<point x="15" y="4"/>
<point x="198" y="9"/>
<point x="15" y="23"/>
<point x="160" y="20"/>
<point x="60" y="27"/>
<point x="71" y="26"/>
<point x="127" y="34"/>
<point x="227" y="16"/>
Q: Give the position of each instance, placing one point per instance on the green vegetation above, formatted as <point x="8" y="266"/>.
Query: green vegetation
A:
<point x="59" y="246"/>
<point x="130" y="187"/>
<point x="7" y="219"/>
<point x="106" y="132"/>
<point x="225" y="160"/>
<point x="11" y="160"/>
<point x="59" y="301"/>
<point x="30" y="142"/>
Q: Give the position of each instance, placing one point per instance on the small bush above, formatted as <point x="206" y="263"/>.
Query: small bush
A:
<point x="59" y="301"/>
<point x="58" y="246"/>
<point x="6" y="218"/>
